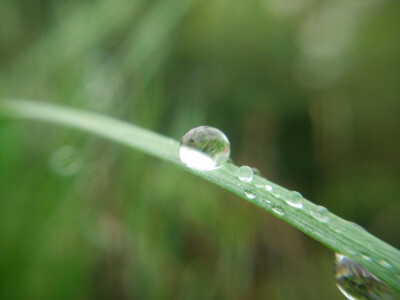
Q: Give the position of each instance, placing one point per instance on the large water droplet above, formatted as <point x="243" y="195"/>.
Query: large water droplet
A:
<point x="356" y="282"/>
<point x="294" y="199"/>
<point x="245" y="173"/>
<point x="66" y="161"/>
<point x="320" y="213"/>
<point x="204" y="148"/>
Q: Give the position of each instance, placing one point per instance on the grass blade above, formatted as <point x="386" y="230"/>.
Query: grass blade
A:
<point x="337" y="234"/>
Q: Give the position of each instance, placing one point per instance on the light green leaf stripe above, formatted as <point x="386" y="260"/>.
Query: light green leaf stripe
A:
<point x="337" y="234"/>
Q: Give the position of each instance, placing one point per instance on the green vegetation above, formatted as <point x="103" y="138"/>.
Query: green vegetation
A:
<point x="306" y="91"/>
<point x="338" y="234"/>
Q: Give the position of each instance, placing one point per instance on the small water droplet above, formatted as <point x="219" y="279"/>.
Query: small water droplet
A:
<point x="256" y="171"/>
<point x="245" y="173"/>
<point x="204" y="148"/>
<point x="66" y="161"/>
<point x="277" y="193"/>
<point x="266" y="205"/>
<point x="268" y="188"/>
<point x="357" y="226"/>
<point x="318" y="234"/>
<point x="337" y="230"/>
<point x="385" y="264"/>
<point x="356" y="282"/>
<point x="250" y="193"/>
<point x="351" y="252"/>
<point x="366" y="257"/>
<point x="320" y="213"/>
<point x="260" y="182"/>
<point x="278" y="209"/>
<point x="294" y="199"/>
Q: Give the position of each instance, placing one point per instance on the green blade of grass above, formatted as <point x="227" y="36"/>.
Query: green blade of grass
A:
<point x="338" y="234"/>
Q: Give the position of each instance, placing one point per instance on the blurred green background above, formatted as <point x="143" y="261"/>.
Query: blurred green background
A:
<point x="307" y="91"/>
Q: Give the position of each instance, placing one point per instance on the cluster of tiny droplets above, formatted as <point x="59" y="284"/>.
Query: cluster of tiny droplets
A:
<point x="206" y="148"/>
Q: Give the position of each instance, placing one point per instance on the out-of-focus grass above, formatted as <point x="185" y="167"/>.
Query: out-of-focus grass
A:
<point x="126" y="226"/>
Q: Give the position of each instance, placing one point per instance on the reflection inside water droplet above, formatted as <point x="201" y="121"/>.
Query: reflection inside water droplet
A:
<point x="204" y="148"/>
<point x="356" y="282"/>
